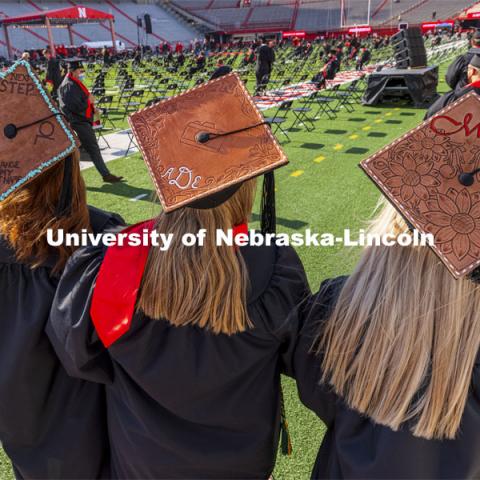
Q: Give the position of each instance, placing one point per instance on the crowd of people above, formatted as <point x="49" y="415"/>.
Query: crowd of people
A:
<point x="135" y="362"/>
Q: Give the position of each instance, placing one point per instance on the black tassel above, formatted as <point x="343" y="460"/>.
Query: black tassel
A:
<point x="474" y="276"/>
<point x="64" y="206"/>
<point x="268" y="204"/>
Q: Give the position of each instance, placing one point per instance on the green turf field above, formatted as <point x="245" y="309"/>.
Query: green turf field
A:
<point x="323" y="189"/>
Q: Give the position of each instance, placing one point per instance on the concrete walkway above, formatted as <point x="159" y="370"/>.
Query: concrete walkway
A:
<point x="118" y="143"/>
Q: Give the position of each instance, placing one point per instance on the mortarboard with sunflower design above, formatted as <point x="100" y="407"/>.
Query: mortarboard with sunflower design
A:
<point x="432" y="177"/>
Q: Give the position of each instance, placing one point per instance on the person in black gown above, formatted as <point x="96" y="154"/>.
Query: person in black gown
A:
<point x="51" y="425"/>
<point x="473" y="85"/>
<point x="193" y="356"/>
<point x="265" y="61"/>
<point x="456" y="76"/>
<point x="389" y="357"/>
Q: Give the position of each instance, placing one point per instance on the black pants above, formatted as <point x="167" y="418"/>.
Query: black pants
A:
<point x="89" y="142"/>
<point x="262" y="77"/>
<point x="262" y="81"/>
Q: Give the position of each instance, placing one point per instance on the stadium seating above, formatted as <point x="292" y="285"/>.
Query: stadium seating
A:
<point x="317" y="15"/>
<point x="226" y="15"/>
<point x="444" y="10"/>
<point x="230" y="18"/>
<point x="165" y="26"/>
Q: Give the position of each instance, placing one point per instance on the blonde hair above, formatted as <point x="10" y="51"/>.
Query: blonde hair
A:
<point x="200" y="285"/>
<point x="401" y="342"/>
<point x="26" y="216"/>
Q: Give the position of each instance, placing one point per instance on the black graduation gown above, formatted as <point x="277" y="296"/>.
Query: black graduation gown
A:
<point x="448" y="98"/>
<point x="53" y="73"/>
<point x="73" y="102"/>
<point x="356" y="448"/>
<point x="456" y="76"/>
<point x="183" y="402"/>
<point x="51" y="426"/>
<point x="265" y="60"/>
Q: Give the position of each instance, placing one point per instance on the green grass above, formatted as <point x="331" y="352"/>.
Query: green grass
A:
<point x="329" y="194"/>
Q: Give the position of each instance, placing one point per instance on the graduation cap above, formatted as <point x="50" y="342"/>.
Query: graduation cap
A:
<point x="74" y="63"/>
<point x="200" y="146"/>
<point x="33" y="134"/>
<point x="431" y="175"/>
<point x="475" y="61"/>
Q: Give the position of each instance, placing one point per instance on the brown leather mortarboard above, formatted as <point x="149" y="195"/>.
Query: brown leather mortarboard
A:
<point x="431" y="175"/>
<point x="33" y="135"/>
<point x="207" y="140"/>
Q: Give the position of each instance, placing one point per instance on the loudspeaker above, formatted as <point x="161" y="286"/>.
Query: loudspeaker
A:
<point x="398" y="37"/>
<point x="409" y="48"/>
<point x="148" y="24"/>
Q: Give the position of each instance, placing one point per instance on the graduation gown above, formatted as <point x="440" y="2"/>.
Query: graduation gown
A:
<point x="354" y="447"/>
<point x="265" y="60"/>
<point x="183" y="402"/>
<point x="54" y="75"/>
<point x="456" y="76"/>
<point x="451" y="97"/>
<point x="51" y="426"/>
<point x="74" y="103"/>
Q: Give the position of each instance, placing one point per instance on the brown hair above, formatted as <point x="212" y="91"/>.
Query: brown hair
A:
<point x="26" y="216"/>
<point x="402" y="340"/>
<point x="200" y="285"/>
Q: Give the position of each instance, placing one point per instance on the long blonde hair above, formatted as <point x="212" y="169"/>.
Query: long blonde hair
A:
<point x="402" y="340"/>
<point x="26" y="216"/>
<point x="200" y="285"/>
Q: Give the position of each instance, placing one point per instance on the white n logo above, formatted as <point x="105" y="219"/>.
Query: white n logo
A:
<point x="82" y="12"/>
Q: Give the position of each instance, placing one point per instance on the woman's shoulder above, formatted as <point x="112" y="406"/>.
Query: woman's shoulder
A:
<point x="274" y="268"/>
<point x="317" y="307"/>
<point x="324" y="300"/>
<point x="277" y="284"/>
<point x="102" y="220"/>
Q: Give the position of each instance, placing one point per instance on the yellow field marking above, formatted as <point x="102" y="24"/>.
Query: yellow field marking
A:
<point x="389" y="114"/>
<point x="319" y="159"/>
<point x="354" y="136"/>
<point x="338" y="146"/>
<point x="379" y="120"/>
<point x="367" y="128"/>
<point x="296" y="173"/>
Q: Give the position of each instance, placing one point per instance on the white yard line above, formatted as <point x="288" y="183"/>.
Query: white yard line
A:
<point x="139" y="197"/>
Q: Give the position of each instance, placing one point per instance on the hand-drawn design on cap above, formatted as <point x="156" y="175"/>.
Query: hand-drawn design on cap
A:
<point x="33" y="129"/>
<point x="46" y="131"/>
<point x="208" y="122"/>
<point x="194" y="128"/>
<point x="426" y="144"/>
<point x="410" y="177"/>
<point x="182" y="177"/>
<point x="149" y="131"/>
<point x="432" y="177"/>
<point x="264" y="150"/>
<point x="455" y="219"/>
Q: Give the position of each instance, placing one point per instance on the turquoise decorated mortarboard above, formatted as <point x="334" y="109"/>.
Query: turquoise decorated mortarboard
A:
<point x="33" y="134"/>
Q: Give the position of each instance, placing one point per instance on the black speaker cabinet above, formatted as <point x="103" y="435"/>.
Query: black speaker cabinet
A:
<point x="409" y="48"/>
<point x="148" y="24"/>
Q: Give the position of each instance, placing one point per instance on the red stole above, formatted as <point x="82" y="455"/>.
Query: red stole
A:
<point x="90" y="106"/>
<point x="118" y="282"/>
